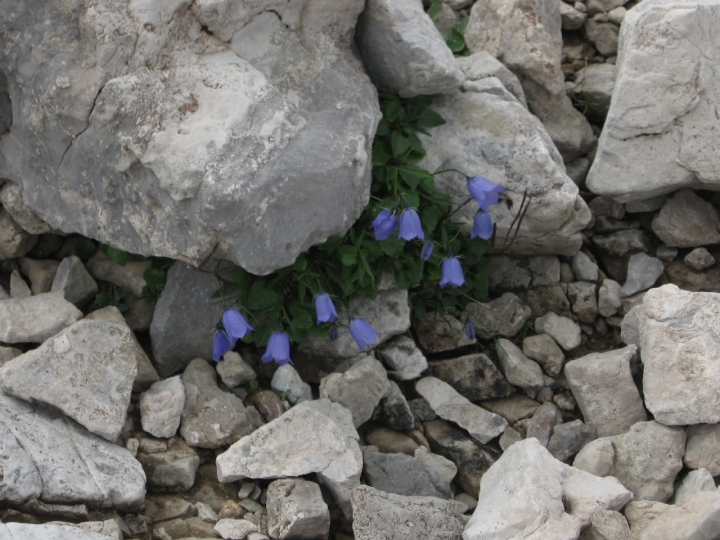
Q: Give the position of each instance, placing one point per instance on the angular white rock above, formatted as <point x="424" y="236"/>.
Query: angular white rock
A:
<point x="404" y="358"/>
<point x="161" y="407"/>
<point x="296" y="510"/>
<point x="287" y="380"/>
<point x="34" y="319"/>
<point x="561" y="329"/>
<point x="518" y="368"/>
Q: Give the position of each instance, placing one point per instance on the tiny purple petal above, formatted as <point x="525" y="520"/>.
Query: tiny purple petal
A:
<point x="236" y="327"/>
<point x="221" y="345"/>
<point x="427" y="250"/>
<point x="333" y="333"/>
<point x="410" y="226"/>
<point x="278" y="349"/>
<point x="482" y="226"/>
<point x="325" y="309"/>
<point x="362" y="333"/>
<point x="469" y="329"/>
<point x="384" y="224"/>
<point x="452" y="273"/>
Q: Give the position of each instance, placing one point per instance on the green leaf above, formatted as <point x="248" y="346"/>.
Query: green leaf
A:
<point x="430" y="119"/>
<point x="428" y="185"/>
<point x="155" y="277"/>
<point x="462" y="26"/>
<point x="392" y="247"/>
<point x="302" y="319"/>
<point x="435" y="11"/>
<point x="399" y="144"/>
<point x="348" y="255"/>
<point x="84" y="248"/>
<point x="429" y="217"/>
<point x="394" y="111"/>
<point x="383" y="129"/>
<point x="262" y="298"/>
<point x="254" y="385"/>
<point x="455" y="41"/>
<point x="117" y="256"/>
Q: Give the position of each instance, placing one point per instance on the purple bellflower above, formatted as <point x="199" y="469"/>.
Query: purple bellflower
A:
<point x="484" y="191"/>
<point x="469" y="329"/>
<point x="324" y="308"/>
<point x="333" y="333"/>
<point x="236" y="326"/>
<point x="427" y="250"/>
<point x="278" y="349"/>
<point x="410" y="226"/>
<point x="482" y="226"/>
<point x="452" y="273"/>
<point x="362" y="333"/>
<point x="221" y="344"/>
<point x="384" y="224"/>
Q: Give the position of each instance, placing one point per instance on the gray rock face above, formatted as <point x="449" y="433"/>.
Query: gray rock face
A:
<point x="687" y="221"/>
<point x="404" y="475"/>
<point x="87" y="371"/>
<point x="161" y="407"/>
<point x="129" y="276"/>
<point x="74" y="281"/>
<point x="449" y="405"/>
<point x="583" y="268"/>
<point x="564" y="331"/>
<point x="475" y="139"/>
<point x="473" y="376"/>
<point x="170" y="465"/>
<point x="572" y="19"/>
<point x="543" y="349"/>
<point x="660" y="133"/>
<point x="621" y="243"/>
<point x="568" y="439"/>
<point x="609" y="302"/>
<point x="607" y="525"/>
<point x="503" y="316"/>
<point x="694" y="482"/>
<point x="396" y="412"/>
<point x="40" y="272"/>
<point x="296" y="509"/>
<point x="583" y="297"/>
<point x="439" y="333"/>
<point x="50" y="457"/>
<point x="287" y="380"/>
<point x="697" y="517"/>
<point x="598" y="81"/>
<point x="359" y="389"/>
<point x="234" y="371"/>
<point x="702" y="449"/>
<point x="543" y="423"/>
<point x="604" y="35"/>
<point x="403" y="51"/>
<point x="646" y="459"/>
<point x="395" y="517"/>
<point x="528" y="491"/>
<point x="699" y="259"/>
<point x="34" y="319"/>
<point x="26" y="531"/>
<point x="14" y="241"/>
<point x="482" y="65"/>
<point x="605" y="391"/>
<point x="518" y="368"/>
<point x="404" y="359"/>
<point x="677" y="344"/>
<point x="12" y="197"/>
<point x="234" y="528"/>
<point x="133" y="114"/>
<point x="184" y="319"/>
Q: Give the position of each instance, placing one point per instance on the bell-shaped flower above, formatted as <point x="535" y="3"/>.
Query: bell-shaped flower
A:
<point x="485" y="192"/>
<point x="236" y="326"/>
<point x="325" y="309"/>
<point x="221" y="345"/>
<point x="410" y="226"/>
<point x="427" y="250"/>
<point x="482" y="226"/>
<point x="362" y="333"/>
<point x="469" y="329"/>
<point x="452" y="273"/>
<point x="278" y="349"/>
<point x="384" y="224"/>
<point x="333" y="333"/>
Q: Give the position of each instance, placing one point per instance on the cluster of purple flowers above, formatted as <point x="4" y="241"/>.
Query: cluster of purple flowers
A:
<point x="231" y="327"/>
<point x="485" y="193"/>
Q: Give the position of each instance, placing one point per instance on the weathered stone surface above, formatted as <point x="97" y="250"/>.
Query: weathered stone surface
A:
<point x="598" y="81"/>
<point x="269" y="405"/>
<point x="646" y="459"/>
<point x="697" y="517"/>
<point x="609" y="302"/>
<point x="287" y="380"/>
<point x="443" y="466"/>
<point x="548" y="298"/>
<point x="699" y="259"/>
<point x="607" y="525"/>
<point x="702" y="450"/>
<point x="543" y="422"/>
<point x="161" y="407"/>
<point x="642" y="273"/>
<point x="450" y="405"/>
<point x="518" y="368"/>
<point x="583" y="297"/>
<point x="211" y="418"/>
<point x="482" y="65"/>
<point x="583" y="268"/>
<point x="568" y="439"/>
<point x="396" y="412"/>
<point x="564" y="331"/>
<point x="503" y="316"/>
<point x="506" y="273"/>
<point x="694" y="482"/>
<point x="440" y="333"/>
<point x="11" y="197"/>
<point x="543" y="349"/>
<point x="471" y="458"/>
<point x="50" y="457"/>
<point x="170" y="466"/>
<point x="40" y="272"/>
<point x="473" y="376"/>
<point x="403" y="51"/>
<point x="146" y="158"/>
<point x="18" y="287"/>
<point x="87" y="371"/>
<point x="389" y="441"/>
<point x="678" y="351"/>
<point x="230" y="529"/>
<point x="604" y="35"/>
<point x="359" y="389"/>
<point x="296" y="509"/>
<point x="475" y="138"/>
<point x="395" y="517"/>
<point x="605" y="391"/>
<point x="184" y="319"/>
<point x="572" y="19"/>
<point x="404" y="359"/>
<point x="512" y="408"/>
<point x="621" y="243"/>
<point x="34" y="319"/>
<point x="687" y="221"/>
<point x="48" y="531"/>
<point x="341" y="416"/>
<point x="404" y="475"/>
<point x="129" y="275"/>
<point x="527" y="492"/>
<point x="234" y="371"/>
<point x="661" y="133"/>
<point x="74" y="281"/>
<point x="14" y="241"/>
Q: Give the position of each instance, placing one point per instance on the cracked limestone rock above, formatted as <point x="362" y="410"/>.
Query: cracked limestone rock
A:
<point x="141" y="151"/>
<point x="36" y="318"/>
<point x="161" y="407"/>
<point x="87" y="371"/>
<point x="661" y="130"/>
<point x="296" y="510"/>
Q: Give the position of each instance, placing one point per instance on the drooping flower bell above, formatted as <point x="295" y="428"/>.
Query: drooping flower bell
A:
<point x="221" y="344"/>
<point x="325" y="309"/>
<point x="483" y="226"/>
<point x="469" y="329"/>
<point x="278" y="349"/>
<point x="452" y="273"/>
<point x="236" y="326"/>
<point x="333" y="333"/>
<point x="362" y="333"/>
<point x="410" y="226"/>
<point x="485" y="192"/>
<point x="384" y="224"/>
<point x="427" y="250"/>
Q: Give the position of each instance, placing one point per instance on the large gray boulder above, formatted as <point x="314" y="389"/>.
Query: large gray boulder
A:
<point x="122" y="131"/>
<point x="661" y="130"/>
<point x="490" y="133"/>
<point x="50" y="457"/>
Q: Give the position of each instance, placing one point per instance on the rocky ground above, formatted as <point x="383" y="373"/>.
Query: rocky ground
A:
<point x="586" y="406"/>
